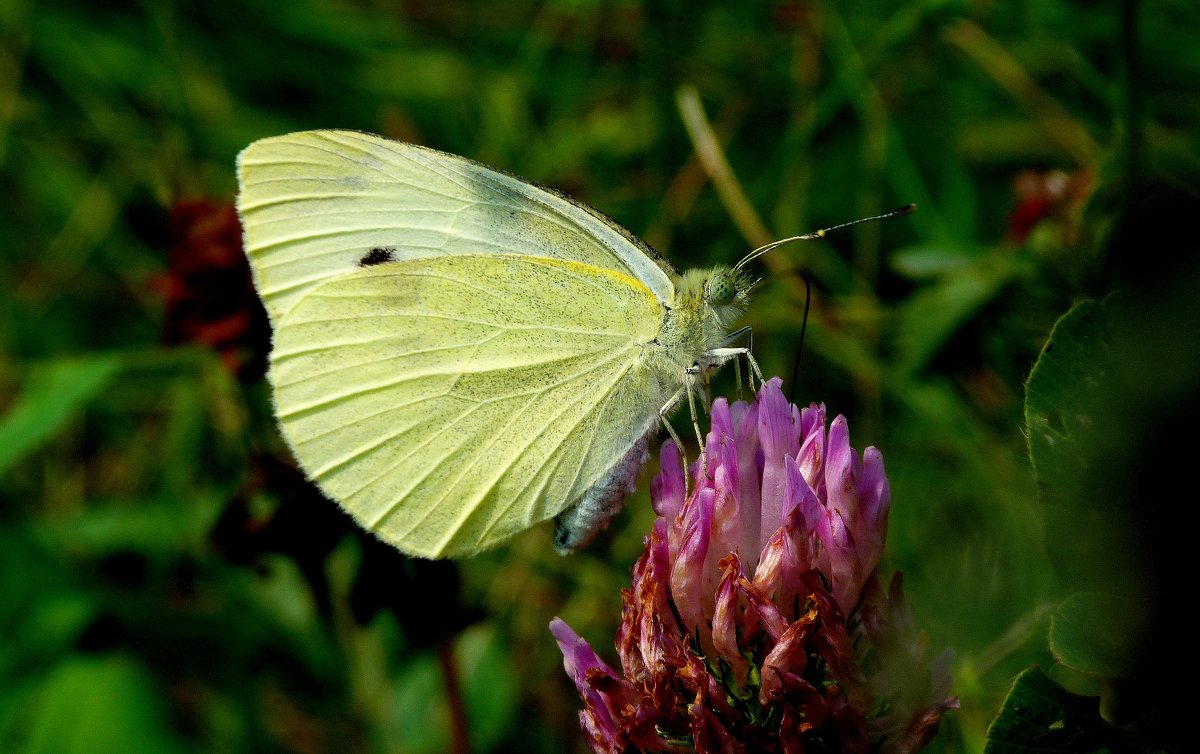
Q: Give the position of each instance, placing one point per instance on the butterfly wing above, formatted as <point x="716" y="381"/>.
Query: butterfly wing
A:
<point x="451" y="402"/>
<point x="317" y="204"/>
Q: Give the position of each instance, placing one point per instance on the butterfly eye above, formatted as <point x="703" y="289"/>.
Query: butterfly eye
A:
<point x="721" y="290"/>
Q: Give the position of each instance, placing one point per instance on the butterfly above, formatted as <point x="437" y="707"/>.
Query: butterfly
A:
<point x="460" y="354"/>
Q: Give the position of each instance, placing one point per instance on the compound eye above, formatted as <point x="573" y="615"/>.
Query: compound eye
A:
<point x="721" y="290"/>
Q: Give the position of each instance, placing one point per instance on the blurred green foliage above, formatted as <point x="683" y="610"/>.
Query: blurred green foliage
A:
<point x="140" y="609"/>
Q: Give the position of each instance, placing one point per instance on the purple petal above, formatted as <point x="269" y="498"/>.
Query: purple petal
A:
<point x="709" y="734"/>
<point x="578" y="655"/>
<point x="811" y="458"/>
<point x="788" y="657"/>
<point x="597" y="719"/>
<point x="745" y="436"/>
<point x="873" y="489"/>
<point x="641" y="638"/>
<point x="844" y="568"/>
<point x="727" y="517"/>
<point x="923" y="728"/>
<point x="687" y="566"/>
<point x="777" y="433"/>
<point x="725" y="618"/>
<point x="841" y="483"/>
<point x="720" y="423"/>
<point x="874" y="500"/>
<point x="778" y="437"/>
<point x="804" y="498"/>
<point x="808" y="710"/>
<point x="667" y="488"/>
<point x="764" y="609"/>
<point x="723" y="536"/>
<point x="738" y="411"/>
<point x="812" y="421"/>
<point x="772" y="562"/>
<point x="788" y="555"/>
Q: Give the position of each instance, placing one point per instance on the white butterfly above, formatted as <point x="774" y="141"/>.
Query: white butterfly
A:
<point x="458" y="353"/>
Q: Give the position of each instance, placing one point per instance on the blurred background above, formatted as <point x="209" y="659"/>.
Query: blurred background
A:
<point x="169" y="581"/>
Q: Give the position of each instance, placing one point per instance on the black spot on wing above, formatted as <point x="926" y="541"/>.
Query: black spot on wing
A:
<point x="378" y="255"/>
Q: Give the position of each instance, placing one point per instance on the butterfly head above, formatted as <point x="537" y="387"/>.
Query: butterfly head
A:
<point x="721" y="293"/>
<point x="727" y="289"/>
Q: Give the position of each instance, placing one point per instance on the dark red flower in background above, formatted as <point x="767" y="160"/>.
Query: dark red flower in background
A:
<point x="208" y="291"/>
<point x="1053" y="196"/>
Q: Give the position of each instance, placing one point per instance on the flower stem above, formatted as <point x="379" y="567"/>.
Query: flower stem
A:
<point x="454" y="699"/>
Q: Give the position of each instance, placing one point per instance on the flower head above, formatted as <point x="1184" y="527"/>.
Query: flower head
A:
<point x="755" y="621"/>
<point x="207" y="291"/>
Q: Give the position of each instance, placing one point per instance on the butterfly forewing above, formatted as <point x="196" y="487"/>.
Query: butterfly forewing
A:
<point x="319" y="204"/>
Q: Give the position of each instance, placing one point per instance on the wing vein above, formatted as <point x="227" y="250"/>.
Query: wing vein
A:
<point x="456" y="372"/>
<point x="372" y="362"/>
<point x="502" y="469"/>
<point x="500" y="514"/>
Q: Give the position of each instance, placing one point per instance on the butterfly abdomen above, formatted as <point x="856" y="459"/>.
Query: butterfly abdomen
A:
<point x="577" y="526"/>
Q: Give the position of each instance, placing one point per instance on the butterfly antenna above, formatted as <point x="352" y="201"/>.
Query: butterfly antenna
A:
<point x="907" y="209"/>
<point x="800" y="348"/>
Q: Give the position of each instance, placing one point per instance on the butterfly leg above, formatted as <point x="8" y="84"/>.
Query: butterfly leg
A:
<point x="689" y="390"/>
<point x="724" y="351"/>
<point x="662" y="417"/>
<point x="721" y="354"/>
<point x="688" y="383"/>
<point x="737" y="365"/>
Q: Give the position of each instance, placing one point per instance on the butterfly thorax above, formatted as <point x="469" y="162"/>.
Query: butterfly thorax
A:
<point x="706" y="303"/>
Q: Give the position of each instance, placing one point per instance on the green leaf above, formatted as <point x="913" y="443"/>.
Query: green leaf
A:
<point x="93" y="704"/>
<point x="419" y="719"/>
<point x="1062" y="395"/>
<point x="930" y="261"/>
<point x="932" y="315"/>
<point x="1040" y="716"/>
<point x="1083" y="433"/>
<point x="52" y="393"/>
<point x="489" y="686"/>
<point x="1090" y="632"/>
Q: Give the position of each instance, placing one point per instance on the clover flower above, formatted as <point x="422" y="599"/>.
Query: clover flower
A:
<point x="207" y="292"/>
<point x="755" y="621"/>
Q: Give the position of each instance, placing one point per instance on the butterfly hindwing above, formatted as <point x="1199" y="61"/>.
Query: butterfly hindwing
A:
<point x="451" y="402"/>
